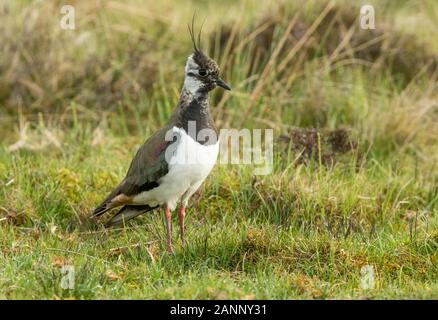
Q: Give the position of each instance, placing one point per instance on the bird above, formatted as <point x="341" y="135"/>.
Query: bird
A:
<point x="159" y="174"/>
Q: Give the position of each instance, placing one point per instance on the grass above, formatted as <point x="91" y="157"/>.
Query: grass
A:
<point x="73" y="116"/>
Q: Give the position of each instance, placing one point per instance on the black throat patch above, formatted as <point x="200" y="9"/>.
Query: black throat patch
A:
<point x="193" y="115"/>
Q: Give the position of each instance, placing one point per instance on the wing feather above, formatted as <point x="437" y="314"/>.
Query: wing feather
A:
<point x="147" y="167"/>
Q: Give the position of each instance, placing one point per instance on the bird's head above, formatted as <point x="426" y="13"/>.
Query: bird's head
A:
<point x="201" y="72"/>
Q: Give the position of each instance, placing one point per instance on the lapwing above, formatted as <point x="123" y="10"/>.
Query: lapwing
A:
<point x="159" y="174"/>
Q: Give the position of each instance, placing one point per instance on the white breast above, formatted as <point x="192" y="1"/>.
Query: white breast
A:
<point x="189" y="164"/>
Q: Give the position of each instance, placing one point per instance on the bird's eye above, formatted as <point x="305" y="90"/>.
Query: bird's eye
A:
<point x="202" y="72"/>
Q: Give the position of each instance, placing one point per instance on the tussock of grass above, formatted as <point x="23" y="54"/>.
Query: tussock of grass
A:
<point x="324" y="146"/>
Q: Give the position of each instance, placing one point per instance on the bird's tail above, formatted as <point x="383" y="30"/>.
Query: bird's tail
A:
<point x="101" y="209"/>
<point x="106" y="204"/>
<point x="127" y="213"/>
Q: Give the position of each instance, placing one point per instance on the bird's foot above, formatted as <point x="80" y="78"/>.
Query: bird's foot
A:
<point x="170" y="250"/>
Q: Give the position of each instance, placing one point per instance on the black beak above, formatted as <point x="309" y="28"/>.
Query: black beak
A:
<point x="222" y="84"/>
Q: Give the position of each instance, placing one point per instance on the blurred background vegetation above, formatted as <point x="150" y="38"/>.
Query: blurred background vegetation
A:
<point x="290" y="63"/>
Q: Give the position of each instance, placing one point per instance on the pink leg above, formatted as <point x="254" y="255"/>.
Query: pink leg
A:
<point x="181" y="215"/>
<point x="167" y="216"/>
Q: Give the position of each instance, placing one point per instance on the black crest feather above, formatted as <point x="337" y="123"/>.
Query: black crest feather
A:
<point x="196" y="46"/>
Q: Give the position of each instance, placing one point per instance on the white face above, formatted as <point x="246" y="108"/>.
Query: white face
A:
<point x="191" y="84"/>
<point x="191" y="65"/>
